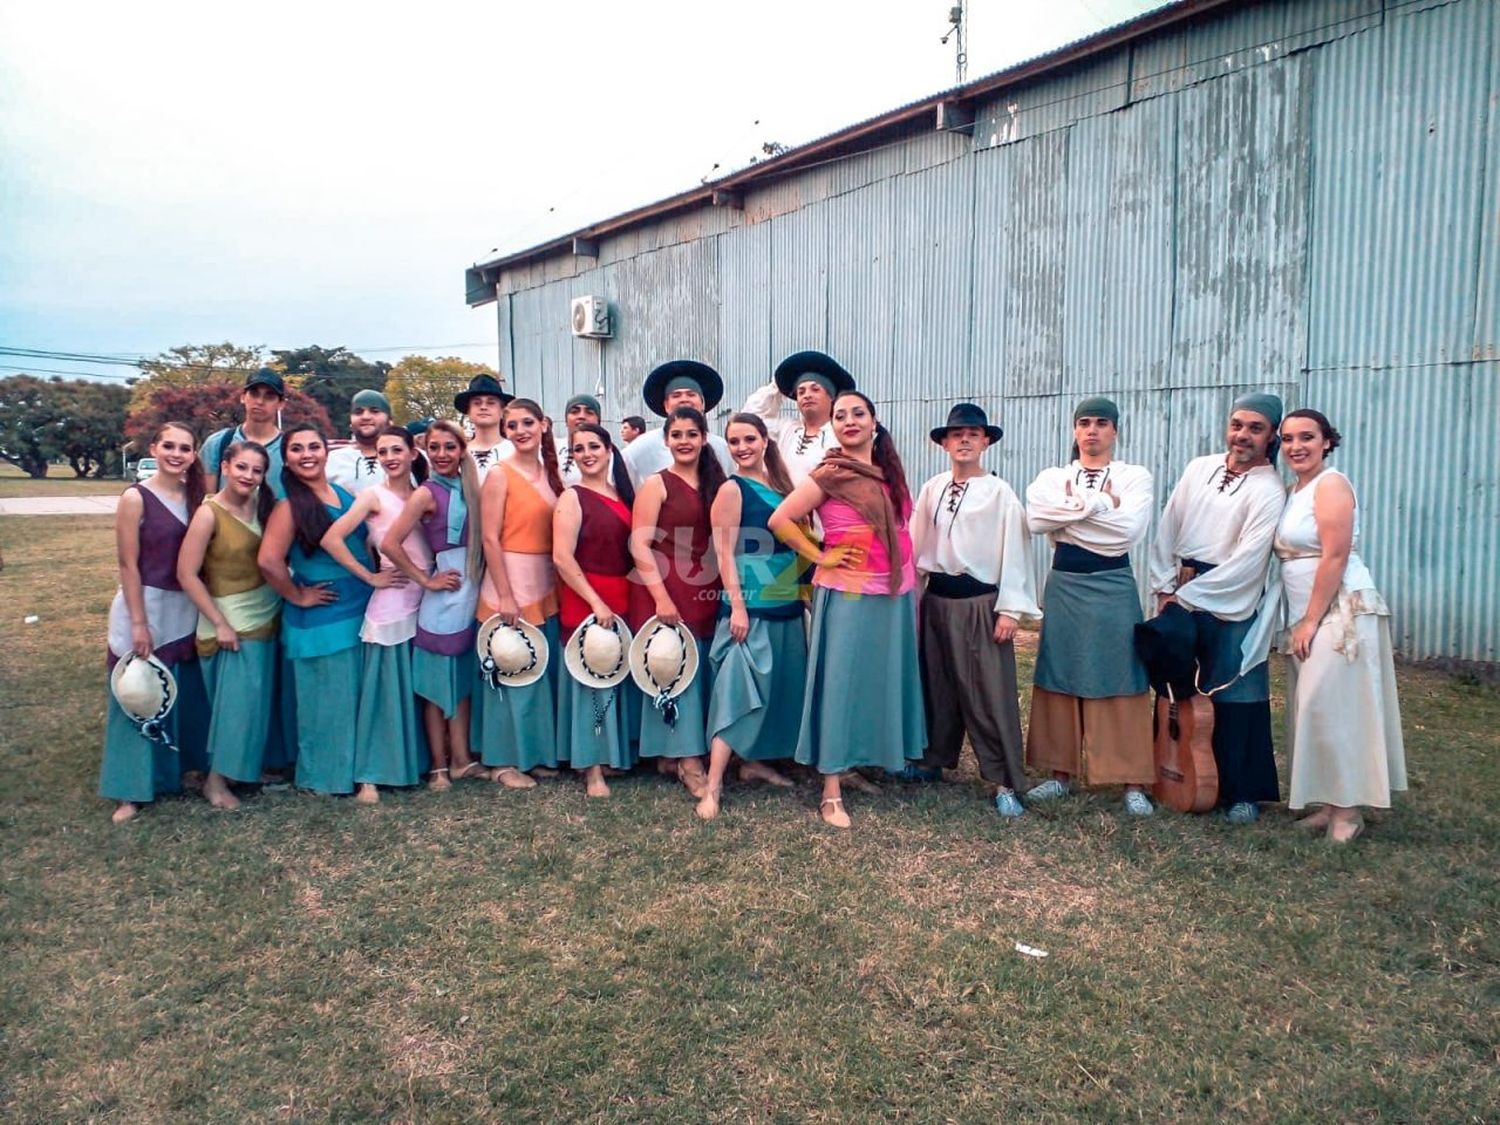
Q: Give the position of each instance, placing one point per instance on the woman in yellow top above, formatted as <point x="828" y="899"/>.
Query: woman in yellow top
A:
<point x="238" y="614"/>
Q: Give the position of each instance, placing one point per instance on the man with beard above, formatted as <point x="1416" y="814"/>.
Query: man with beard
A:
<point x="1210" y="559"/>
<point x="580" y="410"/>
<point x="354" y="467"/>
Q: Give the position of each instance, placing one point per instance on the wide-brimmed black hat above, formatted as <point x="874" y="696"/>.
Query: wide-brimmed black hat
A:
<point x="481" y="385"/>
<point x="1168" y="647"/>
<point x="967" y="414"/>
<point x="654" y="389"/>
<point x="792" y="370"/>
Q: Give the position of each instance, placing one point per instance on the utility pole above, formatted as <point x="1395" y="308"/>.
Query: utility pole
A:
<point x="958" y="31"/>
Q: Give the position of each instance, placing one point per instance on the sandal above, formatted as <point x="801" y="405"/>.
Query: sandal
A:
<point x="437" y="779"/>
<point x="512" y="778"/>
<point x="831" y="809"/>
<point x="466" y="772"/>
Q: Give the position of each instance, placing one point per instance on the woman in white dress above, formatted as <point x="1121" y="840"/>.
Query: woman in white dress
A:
<point x="1343" y="722"/>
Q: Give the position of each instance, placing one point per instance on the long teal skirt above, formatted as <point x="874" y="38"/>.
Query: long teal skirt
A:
<point x="685" y="739"/>
<point x="281" y="742"/>
<point x="518" y="725"/>
<point x="758" y="685"/>
<point x="444" y="680"/>
<point x="863" y="705"/>
<point x="390" y="746"/>
<point x="327" y="694"/>
<point x="192" y="716"/>
<point x="134" y="768"/>
<point x="580" y="708"/>
<point x="240" y="686"/>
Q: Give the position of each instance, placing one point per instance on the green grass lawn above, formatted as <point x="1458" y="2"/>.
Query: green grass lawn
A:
<point x="59" y="481"/>
<point x="531" y="956"/>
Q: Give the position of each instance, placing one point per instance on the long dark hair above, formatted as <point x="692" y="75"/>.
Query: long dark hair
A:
<point x="265" y="499"/>
<point x="885" y="457"/>
<point x="546" y="443"/>
<point x="776" y="470"/>
<point x="619" y="474"/>
<point x="419" y="469"/>
<point x="710" y="473"/>
<point x="310" y="517"/>
<point x="193" y="478"/>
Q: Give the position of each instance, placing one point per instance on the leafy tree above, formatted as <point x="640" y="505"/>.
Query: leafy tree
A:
<point x="94" y="426"/>
<point x="194" y="364"/>
<point x="422" y="387"/>
<point x="331" y="376"/>
<point x="212" y="406"/>
<point x="31" y="420"/>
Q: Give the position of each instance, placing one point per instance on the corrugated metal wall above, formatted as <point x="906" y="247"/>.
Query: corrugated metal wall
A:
<point x="1302" y="196"/>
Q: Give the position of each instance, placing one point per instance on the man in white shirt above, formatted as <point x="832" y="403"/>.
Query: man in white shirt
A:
<point x="1090" y="703"/>
<point x="483" y="404"/>
<point x="580" y="410"/>
<point x="812" y="380"/>
<point x="354" y="467"/>
<point x="969" y="540"/>
<point x="1211" y="557"/>
<point x="680" y="382"/>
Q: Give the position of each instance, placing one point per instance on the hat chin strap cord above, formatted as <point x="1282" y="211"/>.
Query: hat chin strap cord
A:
<point x="665" y="701"/>
<point x="491" y="671"/>
<point x="153" y="729"/>
<point x="600" y="713"/>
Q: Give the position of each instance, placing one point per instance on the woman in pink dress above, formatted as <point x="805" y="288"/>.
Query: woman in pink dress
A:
<point x="390" y="747"/>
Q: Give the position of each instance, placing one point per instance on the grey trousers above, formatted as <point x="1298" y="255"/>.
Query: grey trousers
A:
<point x="969" y="686"/>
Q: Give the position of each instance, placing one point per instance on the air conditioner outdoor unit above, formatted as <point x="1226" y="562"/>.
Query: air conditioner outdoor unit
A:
<point x="591" y="317"/>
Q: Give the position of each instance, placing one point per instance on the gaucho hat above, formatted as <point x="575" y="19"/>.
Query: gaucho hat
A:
<point x="660" y="381"/>
<point x="967" y="414"/>
<point x="798" y="366"/>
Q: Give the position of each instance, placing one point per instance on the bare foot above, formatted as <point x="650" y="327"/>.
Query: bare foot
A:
<point x="437" y="780"/>
<point x="760" y="771"/>
<point x="193" y="779"/>
<point x="367" y="794"/>
<point x="512" y="778"/>
<point x="1317" y="821"/>
<point x="859" y="783"/>
<point x="708" y="804"/>
<point x="595" y="785"/>
<point x="543" y="772"/>
<point x="217" y="790"/>
<point x="832" y="812"/>
<point x="1345" y="829"/>
<point x="126" y="811"/>
<point x="690" y="773"/>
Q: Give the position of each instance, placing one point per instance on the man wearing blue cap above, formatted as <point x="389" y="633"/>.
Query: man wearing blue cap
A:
<point x="354" y="466"/>
<point x="1211" y="558"/>
<point x="261" y="399"/>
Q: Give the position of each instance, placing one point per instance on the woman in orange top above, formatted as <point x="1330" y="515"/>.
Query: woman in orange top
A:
<point x="516" y="727"/>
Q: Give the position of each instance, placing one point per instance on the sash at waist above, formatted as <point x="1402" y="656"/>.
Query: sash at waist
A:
<point x="955" y="586"/>
<point x="1070" y="558"/>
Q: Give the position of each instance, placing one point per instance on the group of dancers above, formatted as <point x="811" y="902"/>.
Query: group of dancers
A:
<point x="497" y="601"/>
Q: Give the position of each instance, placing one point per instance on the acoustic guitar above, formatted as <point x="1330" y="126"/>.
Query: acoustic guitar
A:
<point x="1187" y="779"/>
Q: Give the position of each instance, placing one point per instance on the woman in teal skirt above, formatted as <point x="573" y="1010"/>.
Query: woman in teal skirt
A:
<point x="389" y="746"/>
<point x="325" y="607"/>
<point x="151" y="615"/>
<point x="238" y="615"/>
<point x="863" y="704"/>
<point x="591" y="551"/>
<point x="671" y="542"/>
<point x="445" y="671"/>
<point x="759" y="652"/>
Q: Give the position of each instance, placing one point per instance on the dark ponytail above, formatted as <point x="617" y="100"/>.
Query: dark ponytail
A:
<point x="883" y="454"/>
<point x="619" y="474"/>
<point x="310" y="517"/>
<point x="419" y="469"/>
<point x="265" y="499"/>
<point x="710" y="473"/>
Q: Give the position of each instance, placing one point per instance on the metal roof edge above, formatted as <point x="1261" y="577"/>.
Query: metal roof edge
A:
<point x="480" y="278"/>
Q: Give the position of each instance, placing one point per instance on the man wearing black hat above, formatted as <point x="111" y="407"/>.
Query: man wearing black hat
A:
<point x="682" y="382"/>
<point x="1211" y="558"/>
<point x="353" y="466"/>
<point x="969" y="540"/>
<point x="812" y="380"/>
<point x="483" y="404"/>
<point x="262" y="398"/>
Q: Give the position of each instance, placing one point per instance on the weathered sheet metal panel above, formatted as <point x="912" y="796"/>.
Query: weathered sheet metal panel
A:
<point x="1242" y="169"/>
<point x="862" y="268"/>
<point x="799" y="280"/>
<point x="744" y="257"/>
<point x="1100" y="85"/>
<point x="1399" y="207"/>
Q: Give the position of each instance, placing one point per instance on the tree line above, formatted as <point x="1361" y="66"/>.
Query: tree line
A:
<point x="95" y="426"/>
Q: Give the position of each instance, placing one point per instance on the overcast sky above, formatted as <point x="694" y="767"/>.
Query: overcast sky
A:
<point x="317" y="173"/>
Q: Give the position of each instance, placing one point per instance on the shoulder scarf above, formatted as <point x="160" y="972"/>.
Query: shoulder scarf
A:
<point x="458" y="511"/>
<point x="862" y="487"/>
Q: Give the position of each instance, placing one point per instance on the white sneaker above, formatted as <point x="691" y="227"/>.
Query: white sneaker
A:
<point x="1138" y="804"/>
<point x="1049" y="790"/>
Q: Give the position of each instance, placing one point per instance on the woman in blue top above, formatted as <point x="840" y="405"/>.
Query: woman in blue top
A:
<point x="325" y="607"/>
<point x="759" y="651"/>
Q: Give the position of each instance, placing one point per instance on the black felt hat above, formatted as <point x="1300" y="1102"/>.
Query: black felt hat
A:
<point x="792" y="370"/>
<point x="967" y="414"/>
<point x="654" y="390"/>
<point x="1168" y="647"/>
<point x="481" y="385"/>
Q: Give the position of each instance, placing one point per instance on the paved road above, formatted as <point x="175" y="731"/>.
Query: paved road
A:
<point x="59" y="505"/>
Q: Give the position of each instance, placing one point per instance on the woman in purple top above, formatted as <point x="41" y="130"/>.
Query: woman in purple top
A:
<point x="444" y="667"/>
<point x="151" y="615"/>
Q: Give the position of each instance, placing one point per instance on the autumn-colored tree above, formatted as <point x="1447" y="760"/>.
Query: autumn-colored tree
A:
<point x="213" y="406"/>
<point x="193" y="365"/>
<point x="422" y="387"/>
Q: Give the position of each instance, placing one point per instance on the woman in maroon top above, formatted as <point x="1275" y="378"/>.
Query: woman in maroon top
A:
<point x="591" y="551"/>
<point x="673" y="550"/>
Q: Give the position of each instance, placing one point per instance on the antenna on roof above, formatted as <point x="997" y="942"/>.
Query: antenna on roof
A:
<point x="958" y="31"/>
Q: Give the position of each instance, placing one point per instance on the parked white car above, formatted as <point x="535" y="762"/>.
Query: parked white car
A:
<point x="145" y="469"/>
